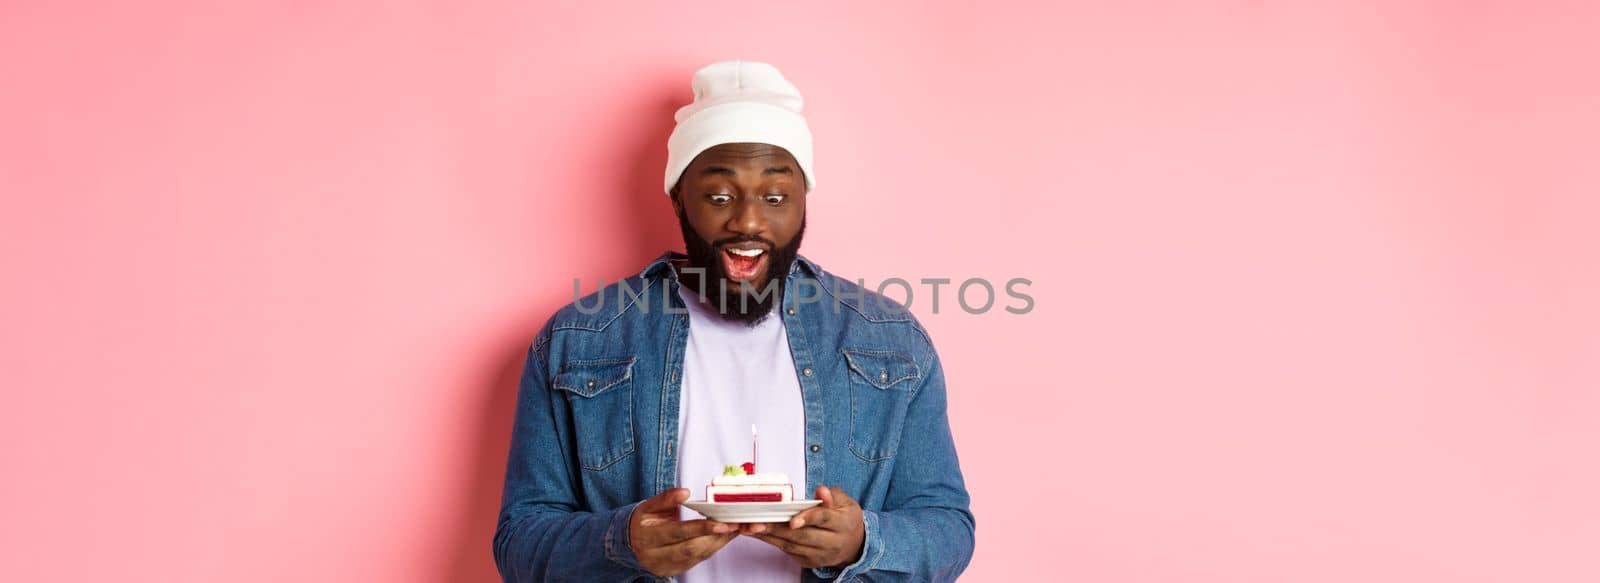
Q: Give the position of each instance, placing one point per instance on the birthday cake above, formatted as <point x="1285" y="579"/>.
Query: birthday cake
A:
<point x="742" y="484"/>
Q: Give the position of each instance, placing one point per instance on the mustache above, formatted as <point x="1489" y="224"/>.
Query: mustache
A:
<point x="719" y="243"/>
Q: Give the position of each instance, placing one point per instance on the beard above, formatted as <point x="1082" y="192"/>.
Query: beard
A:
<point x="745" y="303"/>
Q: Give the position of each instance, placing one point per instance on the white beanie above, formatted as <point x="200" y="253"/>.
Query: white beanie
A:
<point x="736" y="102"/>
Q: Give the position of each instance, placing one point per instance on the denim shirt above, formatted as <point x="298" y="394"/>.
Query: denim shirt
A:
<point x="597" y="416"/>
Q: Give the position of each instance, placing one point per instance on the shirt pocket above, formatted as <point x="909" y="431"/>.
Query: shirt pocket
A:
<point x="600" y="394"/>
<point x="881" y="383"/>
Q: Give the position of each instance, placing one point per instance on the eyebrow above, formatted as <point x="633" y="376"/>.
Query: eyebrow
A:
<point x="724" y="170"/>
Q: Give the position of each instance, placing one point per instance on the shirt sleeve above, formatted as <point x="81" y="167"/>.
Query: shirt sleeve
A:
<point x="543" y="534"/>
<point x="925" y="530"/>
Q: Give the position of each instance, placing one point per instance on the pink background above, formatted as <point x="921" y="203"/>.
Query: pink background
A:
<point x="1316" y="286"/>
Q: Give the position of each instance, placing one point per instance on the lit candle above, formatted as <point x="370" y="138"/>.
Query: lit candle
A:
<point x="755" y="449"/>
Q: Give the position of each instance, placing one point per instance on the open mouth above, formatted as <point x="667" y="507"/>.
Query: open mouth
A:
<point x="743" y="264"/>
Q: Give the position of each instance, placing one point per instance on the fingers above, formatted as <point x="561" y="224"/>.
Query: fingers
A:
<point x="661" y="508"/>
<point x="659" y="519"/>
<point x="672" y="531"/>
<point x="827" y="534"/>
<point x="810" y="537"/>
<point x="812" y="547"/>
<point x="808" y="556"/>
<point x="674" y="559"/>
<point x="830" y="514"/>
<point x="689" y="529"/>
<point x="809" y="516"/>
<point x="789" y="544"/>
<point x="833" y="514"/>
<point x="820" y="517"/>
<point x="825" y="494"/>
<point x="667" y="546"/>
<point x="667" y="501"/>
<point x="692" y="551"/>
<point x="717" y="542"/>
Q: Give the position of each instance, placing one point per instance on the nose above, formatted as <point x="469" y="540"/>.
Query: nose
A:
<point x="747" y="218"/>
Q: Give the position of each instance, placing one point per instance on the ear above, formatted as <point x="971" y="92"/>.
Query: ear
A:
<point x="677" y="203"/>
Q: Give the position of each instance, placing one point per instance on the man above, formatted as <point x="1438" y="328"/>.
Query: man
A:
<point x="636" y="396"/>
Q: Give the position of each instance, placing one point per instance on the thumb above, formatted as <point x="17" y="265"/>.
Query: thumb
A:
<point x="667" y="500"/>
<point x="825" y="494"/>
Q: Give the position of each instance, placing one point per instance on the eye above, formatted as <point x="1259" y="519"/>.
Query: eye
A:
<point x="776" y="198"/>
<point x="719" y="199"/>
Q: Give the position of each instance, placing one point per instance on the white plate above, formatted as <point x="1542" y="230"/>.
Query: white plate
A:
<point x="740" y="512"/>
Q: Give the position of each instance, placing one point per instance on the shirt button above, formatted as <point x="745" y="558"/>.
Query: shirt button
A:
<point x="791" y="311"/>
<point x="815" y="448"/>
<point x="591" y="383"/>
<point x="883" y="376"/>
<point x="807" y="371"/>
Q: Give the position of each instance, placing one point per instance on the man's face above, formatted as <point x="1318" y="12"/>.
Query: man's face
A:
<point x="742" y="208"/>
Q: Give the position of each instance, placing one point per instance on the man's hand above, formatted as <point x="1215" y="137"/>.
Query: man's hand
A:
<point x="667" y="546"/>
<point x="826" y="535"/>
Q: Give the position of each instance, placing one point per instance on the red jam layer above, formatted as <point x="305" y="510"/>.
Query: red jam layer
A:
<point x="757" y="497"/>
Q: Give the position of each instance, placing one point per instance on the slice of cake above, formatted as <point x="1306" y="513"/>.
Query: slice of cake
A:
<point x="743" y="484"/>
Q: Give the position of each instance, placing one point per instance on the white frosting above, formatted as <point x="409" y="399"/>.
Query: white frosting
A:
<point x="751" y="480"/>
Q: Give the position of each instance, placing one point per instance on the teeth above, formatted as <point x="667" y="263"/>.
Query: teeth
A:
<point x="745" y="252"/>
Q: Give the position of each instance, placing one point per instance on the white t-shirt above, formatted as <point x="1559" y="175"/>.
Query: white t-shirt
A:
<point x="735" y="376"/>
